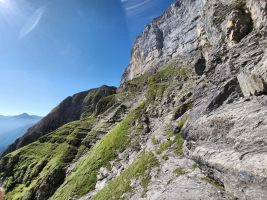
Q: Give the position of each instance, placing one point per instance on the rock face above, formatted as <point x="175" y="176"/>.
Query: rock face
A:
<point x="226" y="43"/>
<point x="188" y="121"/>
<point x="68" y="110"/>
<point x="194" y="31"/>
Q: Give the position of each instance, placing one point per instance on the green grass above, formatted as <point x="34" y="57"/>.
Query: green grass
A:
<point x="178" y="138"/>
<point x="106" y="103"/>
<point x="182" y="122"/>
<point x="194" y="166"/>
<point x="37" y="162"/>
<point x="156" y="83"/>
<point x="214" y="183"/>
<point x="27" y="168"/>
<point x="155" y="90"/>
<point x="159" y="82"/>
<point x="179" y="171"/>
<point x="122" y="184"/>
<point x="83" y="179"/>
<point x="182" y="109"/>
<point x="136" y="85"/>
<point x="17" y="194"/>
<point x="179" y="141"/>
<point x="164" y="146"/>
<point x="71" y="132"/>
<point x="165" y="157"/>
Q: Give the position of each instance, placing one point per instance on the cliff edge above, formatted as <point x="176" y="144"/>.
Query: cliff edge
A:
<point x="188" y="121"/>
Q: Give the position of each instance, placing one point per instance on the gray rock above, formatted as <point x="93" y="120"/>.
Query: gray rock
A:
<point x="194" y="29"/>
<point x="225" y="42"/>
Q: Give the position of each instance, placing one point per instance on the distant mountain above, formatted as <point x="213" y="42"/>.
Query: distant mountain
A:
<point x="12" y="127"/>
<point x="188" y="121"/>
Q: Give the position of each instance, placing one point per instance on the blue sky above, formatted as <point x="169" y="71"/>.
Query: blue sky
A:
<point x="51" y="49"/>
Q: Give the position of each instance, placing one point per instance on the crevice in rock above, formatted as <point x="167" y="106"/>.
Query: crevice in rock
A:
<point x="239" y="24"/>
<point x="200" y="65"/>
<point x="229" y="92"/>
<point x="159" y="37"/>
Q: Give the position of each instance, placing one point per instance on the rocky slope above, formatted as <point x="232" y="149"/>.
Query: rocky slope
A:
<point x="188" y="122"/>
<point x="68" y="110"/>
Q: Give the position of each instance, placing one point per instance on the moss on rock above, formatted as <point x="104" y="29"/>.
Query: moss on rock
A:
<point x="140" y="169"/>
<point x="83" y="179"/>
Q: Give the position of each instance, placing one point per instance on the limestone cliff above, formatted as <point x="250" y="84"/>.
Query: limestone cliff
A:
<point x="196" y="31"/>
<point x="226" y="42"/>
<point x="188" y="121"/>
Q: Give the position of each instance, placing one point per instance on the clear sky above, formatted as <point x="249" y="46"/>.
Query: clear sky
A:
<point x="51" y="49"/>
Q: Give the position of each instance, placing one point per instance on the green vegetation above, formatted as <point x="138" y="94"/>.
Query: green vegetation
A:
<point x="98" y="100"/>
<point x="178" y="141"/>
<point x="38" y="161"/>
<point x="29" y="167"/>
<point x="182" y="122"/>
<point x="71" y="133"/>
<point x="214" y="183"/>
<point x="83" y="179"/>
<point x="155" y="90"/>
<point x="106" y="103"/>
<point x="178" y="138"/>
<point x="182" y="109"/>
<point x="160" y="81"/>
<point x="179" y="144"/>
<point x="93" y="95"/>
<point x="136" y="85"/>
<point x="179" y="171"/>
<point x="165" y="157"/>
<point x="44" y="162"/>
<point x="164" y="146"/>
<point x="122" y="184"/>
<point x="194" y="166"/>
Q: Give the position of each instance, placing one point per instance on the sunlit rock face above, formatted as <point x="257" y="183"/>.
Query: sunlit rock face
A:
<point x="188" y="122"/>
<point x="224" y="41"/>
<point x="189" y="29"/>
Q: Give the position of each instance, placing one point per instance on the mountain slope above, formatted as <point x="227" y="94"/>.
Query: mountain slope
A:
<point x="68" y="110"/>
<point x="188" y="121"/>
<point x="13" y="127"/>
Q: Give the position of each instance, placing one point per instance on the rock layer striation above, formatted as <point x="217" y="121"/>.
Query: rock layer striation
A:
<point x="188" y="121"/>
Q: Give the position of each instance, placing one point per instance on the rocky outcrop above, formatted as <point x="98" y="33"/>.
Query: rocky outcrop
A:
<point x="70" y="109"/>
<point x="230" y="145"/>
<point x="192" y="31"/>
<point x="225" y="42"/>
<point x="188" y="121"/>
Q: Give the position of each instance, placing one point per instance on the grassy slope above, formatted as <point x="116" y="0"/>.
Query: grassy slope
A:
<point x="57" y="149"/>
<point x="33" y="156"/>
<point x="29" y="167"/>
<point x="83" y="179"/>
<point x="122" y="184"/>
